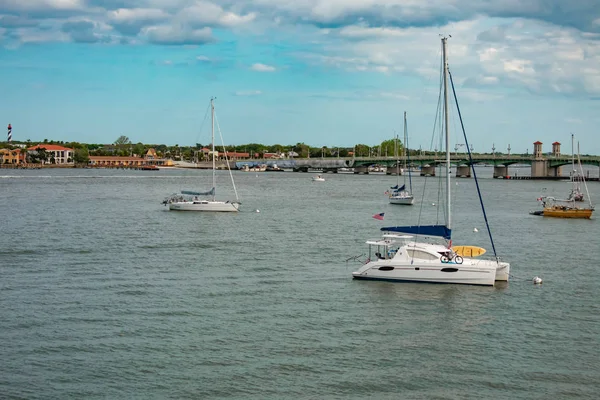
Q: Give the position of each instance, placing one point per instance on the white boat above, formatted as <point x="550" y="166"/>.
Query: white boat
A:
<point x="192" y="201"/>
<point x="318" y="178"/>
<point x="399" y="194"/>
<point x="404" y="255"/>
<point x="576" y="178"/>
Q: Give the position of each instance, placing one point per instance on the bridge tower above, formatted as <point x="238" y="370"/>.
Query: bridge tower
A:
<point x="556" y="149"/>
<point x="539" y="165"/>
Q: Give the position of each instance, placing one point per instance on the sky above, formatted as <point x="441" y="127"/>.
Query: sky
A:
<point x="323" y="72"/>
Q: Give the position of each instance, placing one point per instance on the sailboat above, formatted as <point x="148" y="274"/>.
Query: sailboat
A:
<point x="576" y="193"/>
<point x="402" y="254"/>
<point x="399" y="194"/>
<point x="189" y="200"/>
<point x="568" y="208"/>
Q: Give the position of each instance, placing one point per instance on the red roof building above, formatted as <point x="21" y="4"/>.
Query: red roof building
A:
<point x="56" y="154"/>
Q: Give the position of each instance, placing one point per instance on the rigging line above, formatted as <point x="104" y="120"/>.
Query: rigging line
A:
<point x="408" y="157"/>
<point x="583" y="177"/>
<point x="472" y="166"/>
<point x="203" y="121"/>
<point x="438" y="114"/>
<point x="226" y="158"/>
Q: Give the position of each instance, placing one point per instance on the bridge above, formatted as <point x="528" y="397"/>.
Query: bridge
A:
<point x="542" y="166"/>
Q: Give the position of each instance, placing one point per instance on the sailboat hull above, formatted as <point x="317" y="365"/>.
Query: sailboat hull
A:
<point x="402" y="200"/>
<point x="566" y="212"/>
<point x="209" y="206"/>
<point x="482" y="273"/>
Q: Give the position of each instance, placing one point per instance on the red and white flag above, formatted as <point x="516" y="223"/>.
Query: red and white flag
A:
<point x="379" y="216"/>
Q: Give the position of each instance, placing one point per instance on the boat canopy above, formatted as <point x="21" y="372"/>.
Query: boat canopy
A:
<point x="398" y="189"/>
<point x="189" y="192"/>
<point x="424" y="230"/>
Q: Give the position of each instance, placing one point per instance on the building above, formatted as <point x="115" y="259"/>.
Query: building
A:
<point x="130" y="161"/>
<point x="14" y="156"/>
<point x="116" y="161"/>
<point x="56" y="154"/>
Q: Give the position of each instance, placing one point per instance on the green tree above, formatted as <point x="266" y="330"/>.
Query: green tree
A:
<point x="389" y="147"/>
<point x="122" y="140"/>
<point x="81" y="156"/>
<point x="139" y="149"/>
<point x="361" y="150"/>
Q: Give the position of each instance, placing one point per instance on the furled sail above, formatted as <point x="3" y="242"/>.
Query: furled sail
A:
<point x="189" y="192"/>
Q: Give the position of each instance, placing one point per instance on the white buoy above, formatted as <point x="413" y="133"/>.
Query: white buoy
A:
<point x="537" y="280"/>
<point x="433" y="204"/>
<point x="257" y="210"/>
<point x="475" y="230"/>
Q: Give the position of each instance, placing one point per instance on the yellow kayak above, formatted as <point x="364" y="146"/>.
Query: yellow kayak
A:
<point x="468" y="251"/>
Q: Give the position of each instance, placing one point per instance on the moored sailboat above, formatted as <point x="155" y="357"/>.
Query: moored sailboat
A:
<point x="568" y="208"/>
<point x="192" y="200"/>
<point x="403" y="255"/>
<point x="399" y="194"/>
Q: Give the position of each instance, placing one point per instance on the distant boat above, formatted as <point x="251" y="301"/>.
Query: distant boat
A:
<point x="568" y="208"/>
<point x="318" y="178"/>
<point x="149" y="168"/>
<point x="399" y="194"/>
<point x="192" y="201"/>
<point x="576" y="193"/>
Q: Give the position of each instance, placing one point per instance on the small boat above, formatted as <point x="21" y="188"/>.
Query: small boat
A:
<point x="409" y="253"/>
<point x="568" y="208"/>
<point x="576" y="178"/>
<point x="192" y="201"/>
<point x="318" y="178"/>
<point x="149" y="168"/>
<point x="558" y="208"/>
<point x="399" y="194"/>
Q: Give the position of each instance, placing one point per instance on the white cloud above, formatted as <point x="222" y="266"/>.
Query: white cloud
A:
<point x="262" y="67"/>
<point x="178" y="35"/>
<point x="248" y="93"/>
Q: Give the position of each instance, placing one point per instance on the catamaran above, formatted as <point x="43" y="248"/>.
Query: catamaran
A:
<point x="403" y="254"/>
<point x="189" y="200"/>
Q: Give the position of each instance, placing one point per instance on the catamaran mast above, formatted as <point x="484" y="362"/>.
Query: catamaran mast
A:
<point x="212" y="122"/>
<point x="448" y="170"/>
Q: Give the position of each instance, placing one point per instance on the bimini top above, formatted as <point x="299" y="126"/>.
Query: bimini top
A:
<point x="423" y="230"/>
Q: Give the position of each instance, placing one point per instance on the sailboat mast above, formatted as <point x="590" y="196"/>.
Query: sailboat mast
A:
<point x="448" y="170"/>
<point x="397" y="162"/>
<point x="404" y="149"/>
<point x="573" y="155"/>
<point x="212" y="122"/>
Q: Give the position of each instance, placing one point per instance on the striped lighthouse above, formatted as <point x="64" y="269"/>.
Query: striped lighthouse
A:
<point x="9" y="133"/>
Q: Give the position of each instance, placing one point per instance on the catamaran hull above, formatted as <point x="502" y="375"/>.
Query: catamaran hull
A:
<point x="211" y="206"/>
<point x="443" y="273"/>
<point x="407" y="201"/>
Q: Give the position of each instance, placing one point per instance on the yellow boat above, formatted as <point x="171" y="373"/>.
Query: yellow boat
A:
<point x="567" y="212"/>
<point x="469" y="251"/>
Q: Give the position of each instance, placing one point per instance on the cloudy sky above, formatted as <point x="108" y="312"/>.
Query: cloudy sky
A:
<point x="323" y="72"/>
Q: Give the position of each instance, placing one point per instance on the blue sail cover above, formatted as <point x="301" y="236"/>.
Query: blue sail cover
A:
<point x="189" y="192"/>
<point x="398" y="189"/>
<point x="424" y="230"/>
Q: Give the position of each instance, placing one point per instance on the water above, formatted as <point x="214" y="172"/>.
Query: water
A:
<point x="104" y="293"/>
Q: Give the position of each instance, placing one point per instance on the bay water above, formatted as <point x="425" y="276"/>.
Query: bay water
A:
<point x="105" y="293"/>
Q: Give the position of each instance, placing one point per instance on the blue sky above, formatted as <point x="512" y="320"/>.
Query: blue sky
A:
<point x="322" y="72"/>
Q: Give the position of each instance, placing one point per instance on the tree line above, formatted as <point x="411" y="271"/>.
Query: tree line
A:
<point x="124" y="147"/>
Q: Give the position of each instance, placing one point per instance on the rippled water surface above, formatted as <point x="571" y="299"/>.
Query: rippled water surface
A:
<point x="104" y="293"/>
